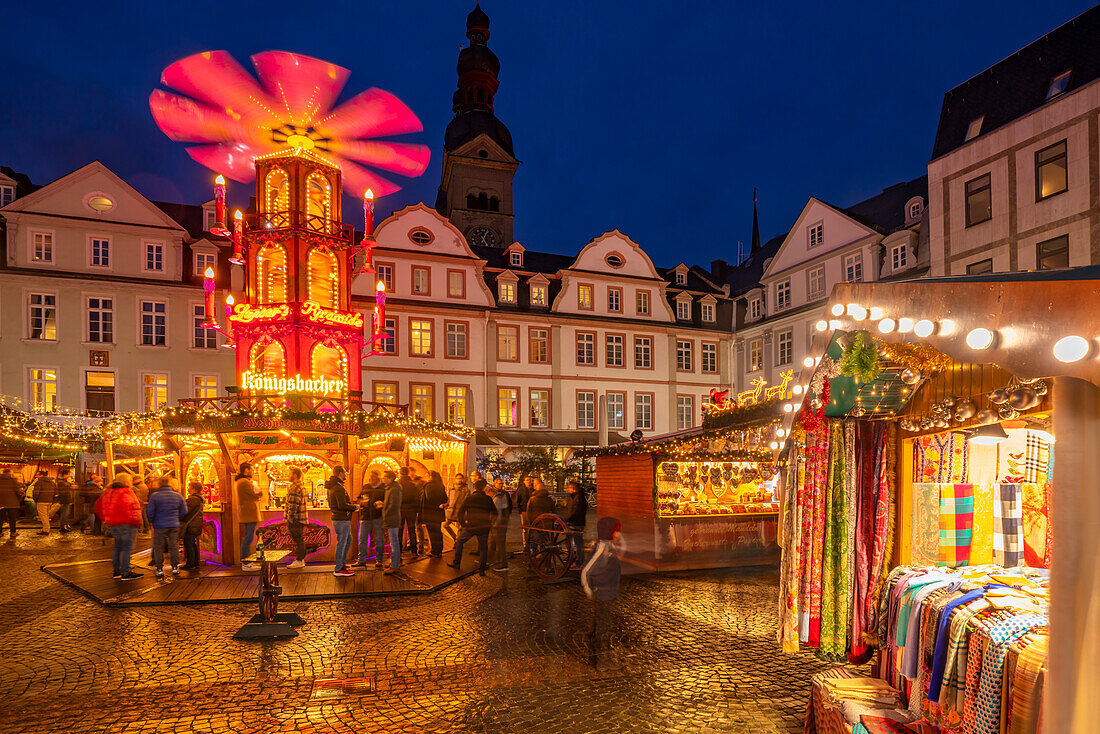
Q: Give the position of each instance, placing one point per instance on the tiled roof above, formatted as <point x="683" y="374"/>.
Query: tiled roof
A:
<point x="885" y="212"/>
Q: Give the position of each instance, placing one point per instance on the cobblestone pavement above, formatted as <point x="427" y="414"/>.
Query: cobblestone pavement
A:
<point x="502" y="653"/>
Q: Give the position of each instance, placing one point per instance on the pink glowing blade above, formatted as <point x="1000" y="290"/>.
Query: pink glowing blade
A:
<point x="216" y="78"/>
<point x="234" y="161"/>
<point x="373" y="114"/>
<point x="404" y="158"/>
<point x="358" y="179"/>
<point x="305" y="87"/>
<point x="185" y="119"/>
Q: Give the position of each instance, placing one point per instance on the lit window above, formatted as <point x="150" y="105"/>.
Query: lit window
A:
<point x="538" y="348"/>
<point x="507" y="292"/>
<point x="586" y="409"/>
<point x="43" y="316"/>
<point x="271" y="274"/>
<point x="974" y="129"/>
<point x="205" y="386"/>
<point x="269" y="358"/>
<point x="709" y="358"/>
<point x="1050" y="171"/>
<point x="318" y="202"/>
<point x="204" y="260"/>
<point x="641" y="303"/>
<point x="456" y="341"/>
<point x="508" y="343"/>
<point x="584" y="297"/>
<point x="323" y="280"/>
<point x="784" y="352"/>
<point x="43" y="385"/>
<point x="516" y="258"/>
<point x="615" y="300"/>
<point x="154" y="256"/>
<point x="683" y="356"/>
<point x="899" y="256"/>
<point x="586" y="348"/>
<point x="706" y="311"/>
<point x="456" y="405"/>
<point x="326" y="361"/>
<point x="389" y="344"/>
<point x="384" y="273"/>
<point x="756" y="355"/>
<point x="783" y="294"/>
<point x="540" y="408"/>
<point x="853" y="267"/>
<point x="99" y="392"/>
<point x="7" y="195"/>
<point x="683" y="310"/>
<point x="421" y="281"/>
<point x="507" y="407"/>
<point x="100" y="203"/>
<point x="456" y="284"/>
<point x="685" y="412"/>
<point x="203" y="338"/>
<point x="421" y="398"/>
<point x="154" y="323"/>
<point x="980" y="267"/>
<point x="643" y="411"/>
<point x="1053" y="254"/>
<point x="979" y="201"/>
<point x="614" y="350"/>
<point x="538" y="295"/>
<point x="643" y="352"/>
<point x="101" y="252"/>
<point x="277" y="191"/>
<point x="385" y="393"/>
<point x="681" y="277"/>
<point x="101" y="317"/>
<point x="154" y="390"/>
<point x="815" y="234"/>
<point x="616" y="410"/>
<point x="816" y="282"/>
<point x="42" y="247"/>
<point x="420" y="338"/>
<point x="1058" y="85"/>
<point x="756" y="308"/>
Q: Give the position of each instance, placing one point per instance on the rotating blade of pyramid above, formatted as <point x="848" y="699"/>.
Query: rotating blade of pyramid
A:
<point x="358" y="179"/>
<point x="403" y="158"/>
<point x="305" y="87"/>
<point x="215" y="78"/>
<point x="372" y="114"/>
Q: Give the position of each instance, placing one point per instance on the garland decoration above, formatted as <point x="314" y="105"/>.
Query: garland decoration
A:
<point x="916" y="356"/>
<point x="860" y="359"/>
<point x="811" y="418"/>
<point x="743" y="416"/>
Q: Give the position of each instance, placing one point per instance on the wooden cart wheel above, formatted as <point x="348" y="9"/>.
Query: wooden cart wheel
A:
<point x="548" y="547"/>
<point x="269" y="597"/>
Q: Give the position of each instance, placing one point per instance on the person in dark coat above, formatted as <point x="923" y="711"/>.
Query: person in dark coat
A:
<point x="370" y="501"/>
<point x="475" y="517"/>
<point x="600" y="580"/>
<point x="576" y="513"/>
<point x="410" y="509"/>
<point x="89" y="494"/>
<point x="65" y="492"/>
<point x="391" y="519"/>
<point x="11" y="498"/>
<point x="191" y="526"/>
<point x="45" y="497"/>
<point x="342" y="508"/>
<point x="432" y="512"/>
<point x="166" y="510"/>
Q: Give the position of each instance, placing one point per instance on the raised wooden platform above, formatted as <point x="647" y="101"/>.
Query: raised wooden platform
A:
<point x="216" y="584"/>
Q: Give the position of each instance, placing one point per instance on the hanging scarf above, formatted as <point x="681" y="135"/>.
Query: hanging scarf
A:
<point x="791" y="561"/>
<point x="834" y="578"/>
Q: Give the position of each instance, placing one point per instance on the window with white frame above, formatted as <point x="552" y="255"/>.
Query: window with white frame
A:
<point x="384" y="273"/>
<point x="681" y="277"/>
<point x="756" y="308"/>
<point x="853" y="267"/>
<point x="42" y="318"/>
<point x="540" y="408"/>
<point x="203" y="338"/>
<point x="385" y="393"/>
<point x="815" y="234"/>
<point x="506" y="292"/>
<point x="899" y="256"/>
<point x="538" y="346"/>
<point x="616" y="410"/>
<point x="586" y="348"/>
<point x="42" y="382"/>
<point x="101" y="320"/>
<point x="641" y="303"/>
<point x="783" y="294"/>
<point x="756" y="355"/>
<point x="456" y="284"/>
<point x="586" y="409"/>
<point x="204" y="386"/>
<point x="456" y="340"/>
<point x="42" y="247"/>
<point x="643" y="411"/>
<point x="706" y="312"/>
<point x="538" y="295"/>
<point x="456" y="405"/>
<point x="614" y="350"/>
<point x="154" y="256"/>
<point x="420" y="338"/>
<point x="643" y="352"/>
<point x="516" y="258"/>
<point x="100" y="255"/>
<point x="815" y="281"/>
<point x="683" y="356"/>
<point x="708" y="357"/>
<point x="421" y="400"/>
<point x="154" y="387"/>
<point x="916" y="209"/>
<point x="388" y="345"/>
<point x="154" y="323"/>
<point x="7" y="195"/>
<point x="683" y="310"/>
<point x="784" y="347"/>
<point x="614" y="300"/>
<point x="204" y="260"/>
<point x="421" y="281"/>
<point x="685" y="412"/>
<point x="508" y="343"/>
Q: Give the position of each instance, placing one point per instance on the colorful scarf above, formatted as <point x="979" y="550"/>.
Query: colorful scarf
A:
<point x="1027" y="686"/>
<point x="792" y="561"/>
<point x="981" y="542"/>
<point x="1007" y="525"/>
<point x="941" y="458"/>
<point x="812" y="501"/>
<point x="926" y="524"/>
<point x="1036" y="459"/>
<point x="956" y="524"/>
<point x="987" y="711"/>
<point x="1036" y="533"/>
<point x="834" y="577"/>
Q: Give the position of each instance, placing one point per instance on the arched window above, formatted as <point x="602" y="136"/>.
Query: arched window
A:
<point x="269" y="358"/>
<point x="494" y="204"/>
<point x="324" y="277"/>
<point x="277" y="188"/>
<point x="318" y="201"/>
<point x="271" y="274"/>
<point x="471" y="201"/>
<point x="483" y="201"/>
<point x="326" y="361"/>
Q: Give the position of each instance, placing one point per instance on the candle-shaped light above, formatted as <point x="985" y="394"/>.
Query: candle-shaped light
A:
<point x="208" y="291"/>
<point x="228" y="310"/>
<point x="219" y="207"/>
<point x="238" y="238"/>
<point x="379" y="311"/>
<point x="368" y="213"/>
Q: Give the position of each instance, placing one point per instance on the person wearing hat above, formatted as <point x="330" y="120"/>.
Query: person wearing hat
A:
<point x="600" y="579"/>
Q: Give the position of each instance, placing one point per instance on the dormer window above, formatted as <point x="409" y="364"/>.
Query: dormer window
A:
<point x="915" y="209"/>
<point x="1058" y="85"/>
<point x="538" y="296"/>
<point x="974" y="129"/>
<point x="208" y="216"/>
<point x="756" y="308"/>
<point x="506" y="292"/>
<point x="515" y="257"/>
<point x="683" y="310"/>
<point x="681" y="277"/>
<point x="707" y="312"/>
<point x="7" y="195"/>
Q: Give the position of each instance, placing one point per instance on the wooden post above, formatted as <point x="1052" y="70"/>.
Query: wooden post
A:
<point x="109" y="447"/>
<point x="903" y="510"/>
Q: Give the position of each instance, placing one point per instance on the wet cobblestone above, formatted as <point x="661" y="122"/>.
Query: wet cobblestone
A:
<point x="502" y="653"/>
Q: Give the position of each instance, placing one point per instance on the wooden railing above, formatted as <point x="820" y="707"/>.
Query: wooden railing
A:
<point x="289" y="403"/>
<point x="273" y="221"/>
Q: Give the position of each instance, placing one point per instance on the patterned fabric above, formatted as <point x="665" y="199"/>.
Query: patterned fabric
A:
<point x="880" y="725"/>
<point x="791" y="561"/>
<point x="981" y="542"/>
<point x="987" y="708"/>
<point x="812" y="500"/>
<point x="1027" y="686"/>
<point x="926" y="523"/>
<point x="956" y="524"/>
<point x="1035" y="530"/>
<point x="834" y="578"/>
<point x="941" y="458"/>
<point x="853" y="453"/>
<point x="1036" y="459"/>
<point x="1007" y="525"/>
<point x="872" y="529"/>
<point x="958" y="652"/>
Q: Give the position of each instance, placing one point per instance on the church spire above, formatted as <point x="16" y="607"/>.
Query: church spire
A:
<point x="478" y="67"/>
<point x="755" y="225"/>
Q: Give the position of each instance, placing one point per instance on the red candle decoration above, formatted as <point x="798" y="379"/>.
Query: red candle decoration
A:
<point x="238" y="239"/>
<point x="379" y="312"/>
<point x="368" y="214"/>
<point x="219" y="208"/>
<point x="208" y="291"/>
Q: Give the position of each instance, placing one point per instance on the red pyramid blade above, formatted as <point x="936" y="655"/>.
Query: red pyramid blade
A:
<point x="372" y="114"/>
<point x="233" y="161"/>
<point x="358" y="179"/>
<point x="216" y="78"/>
<point x="404" y="158"/>
<point x="185" y="119"/>
<point x="304" y="86"/>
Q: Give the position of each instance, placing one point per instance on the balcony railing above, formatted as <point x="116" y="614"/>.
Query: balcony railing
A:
<point x="297" y="220"/>
<point x="290" y="404"/>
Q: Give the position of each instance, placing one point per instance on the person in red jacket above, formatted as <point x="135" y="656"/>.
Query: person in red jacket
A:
<point x="121" y="513"/>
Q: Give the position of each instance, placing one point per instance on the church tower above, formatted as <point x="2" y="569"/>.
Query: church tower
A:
<point x="478" y="160"/>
